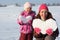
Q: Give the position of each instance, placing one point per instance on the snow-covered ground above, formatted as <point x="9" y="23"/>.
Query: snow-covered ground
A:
<point x="9" y="29"/>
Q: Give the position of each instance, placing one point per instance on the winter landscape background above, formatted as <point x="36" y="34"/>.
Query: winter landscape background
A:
<point x="9" y="29"/>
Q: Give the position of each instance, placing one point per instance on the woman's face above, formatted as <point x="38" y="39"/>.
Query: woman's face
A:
<point x="43" y="14"/>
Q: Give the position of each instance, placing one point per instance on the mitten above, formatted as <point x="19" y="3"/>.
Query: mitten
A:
<point x="37" y="30"/>
<point x="49" y="31"/>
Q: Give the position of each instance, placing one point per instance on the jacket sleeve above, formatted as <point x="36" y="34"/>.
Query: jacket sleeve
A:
<point x="55" y="33"/>
<point x="19" y="21"/>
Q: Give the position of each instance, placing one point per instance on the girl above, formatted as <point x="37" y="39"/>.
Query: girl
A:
<point x="25" y="22"/>
<point x="45" y="27"/>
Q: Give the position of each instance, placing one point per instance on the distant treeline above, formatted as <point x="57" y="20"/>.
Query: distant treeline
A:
<point x="2" y="5"/>
<point x="5" y="5"/>
<point x="53" y="4"/>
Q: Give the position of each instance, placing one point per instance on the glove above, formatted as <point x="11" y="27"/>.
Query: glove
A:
<point x="49" y="31"/>
<point x="37" y="30"/>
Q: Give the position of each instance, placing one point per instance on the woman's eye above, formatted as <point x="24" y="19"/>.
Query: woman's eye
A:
<point x="45" y="12"/>
<point x="42" y="12"/>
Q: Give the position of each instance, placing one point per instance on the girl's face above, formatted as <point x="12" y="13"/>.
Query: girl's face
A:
<point x="43" y="14"/>
<point x="28" y="10"/>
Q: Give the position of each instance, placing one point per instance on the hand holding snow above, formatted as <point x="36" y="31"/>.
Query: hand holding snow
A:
<point x="44" y="25"/>
<point x="37" y="30"/>
<point x="25" y="19"/>
<point x="49" y="31"/>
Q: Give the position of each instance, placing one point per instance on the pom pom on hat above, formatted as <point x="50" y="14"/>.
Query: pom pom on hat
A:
<point x="27" y="5"/>
<point x="43" y="6"/>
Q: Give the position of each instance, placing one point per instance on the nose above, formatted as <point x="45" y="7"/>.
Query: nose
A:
<point x="44" y="14"/>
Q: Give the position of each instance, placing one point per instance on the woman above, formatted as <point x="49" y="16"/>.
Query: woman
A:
<point x="25" y="21"/>
<point x="45" y="27"/>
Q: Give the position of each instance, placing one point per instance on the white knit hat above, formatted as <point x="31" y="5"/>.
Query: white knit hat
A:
<point x="27" y="5"/>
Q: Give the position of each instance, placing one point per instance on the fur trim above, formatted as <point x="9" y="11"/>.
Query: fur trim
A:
<point x="44" y="25"/>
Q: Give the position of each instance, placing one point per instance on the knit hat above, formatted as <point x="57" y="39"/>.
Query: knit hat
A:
<point x="27" y="5"/>
<point x="43" y="6"/>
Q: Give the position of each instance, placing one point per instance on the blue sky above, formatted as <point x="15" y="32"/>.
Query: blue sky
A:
<point x="23" y="1"/>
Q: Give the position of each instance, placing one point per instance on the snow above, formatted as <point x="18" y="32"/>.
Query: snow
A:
<point x="9" y="29"/>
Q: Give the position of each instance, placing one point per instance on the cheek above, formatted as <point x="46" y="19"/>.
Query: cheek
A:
<point x="28" y="9"/>
<point x="46" y="15"/>
<point x="41" y="14"/>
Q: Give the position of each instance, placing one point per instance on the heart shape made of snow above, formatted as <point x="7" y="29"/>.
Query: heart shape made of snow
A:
<point x="44" y="25"/>
<point x="25" y="19"/>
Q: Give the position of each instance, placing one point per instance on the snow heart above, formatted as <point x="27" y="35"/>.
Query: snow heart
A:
<point x="25" y="19"/>
<point x="44" y="25"/>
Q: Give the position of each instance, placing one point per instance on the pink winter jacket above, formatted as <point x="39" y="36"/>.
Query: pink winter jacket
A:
<point x="25" y="21"/>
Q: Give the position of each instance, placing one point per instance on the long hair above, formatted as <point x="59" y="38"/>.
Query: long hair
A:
<point x="49" y="15"/>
